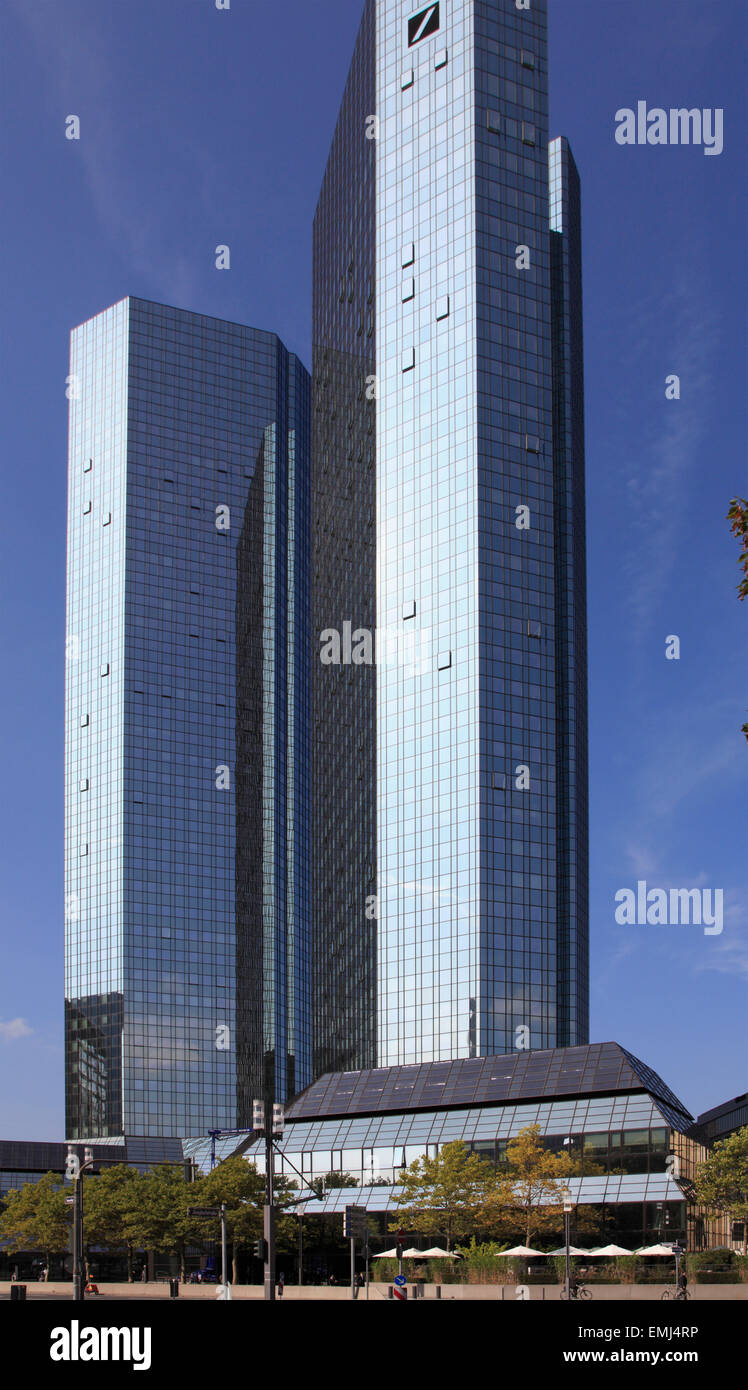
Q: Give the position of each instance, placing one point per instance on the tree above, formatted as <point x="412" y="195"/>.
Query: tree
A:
<point x="722" y="1179"/>
<point x="157" y="1219"/>
<point x="36" y="1217"/>
<point x="110" y="1204"/>
<point x="738" y="517"/>
<point x="237" y="1184"/>
<point x="538" y="1182"/>
<point x="447" y="1195"/>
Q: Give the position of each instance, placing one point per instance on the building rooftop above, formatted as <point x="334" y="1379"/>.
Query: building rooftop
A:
<point x="600" y="1068"/>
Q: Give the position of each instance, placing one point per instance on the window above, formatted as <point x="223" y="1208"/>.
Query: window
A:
<point x="493" y="121"/>
<point x="528" y="133"/>
<point x="527" y="59"/>
<point x="408" y="254"/>
<point x="408" y="359"/>
<point x="532" y="444"/>
<point x="106" y="519"/>
<point x="409" y="609"/>
<point x="440" y="58"/>
<point x="104" y="670"/>
<point x="83" y="784"/>
<point x="408" y="289"/>
<point x="87" y="465"/>
<point x="533" y="628"/>
<point x="498" y="781"/>
<point x="87" y="507"/>
<point x="442" y="307"/>
<point x="84" y="721"/>
<point x="406" y="80"/>
<point x="444" y="661"/>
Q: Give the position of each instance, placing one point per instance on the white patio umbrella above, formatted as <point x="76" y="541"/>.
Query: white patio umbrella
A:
<point x="392" y="1255"/>
<point x="608" y="1251"/>
<point x="436" y="1253"/>
<point x="517" y="1250"/>
<point x="573" y="1250"/>
<point x="655" y="1250"/>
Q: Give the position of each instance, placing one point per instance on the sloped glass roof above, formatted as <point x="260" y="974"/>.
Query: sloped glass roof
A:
<point x="600" y="1068"/>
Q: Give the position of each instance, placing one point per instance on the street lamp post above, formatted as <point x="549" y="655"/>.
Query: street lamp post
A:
<point x="224" y="1254"/>
<point x="567" y="1222"/>
<point x="75" y="1169"/>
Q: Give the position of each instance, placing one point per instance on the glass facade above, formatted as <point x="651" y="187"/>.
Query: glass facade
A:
<point x="186" y="791"/>
<point x="571" y="591"/>
<point x="608" y="1110"/>
<point x="477" y="832"/>
<point x="343" y="580"/>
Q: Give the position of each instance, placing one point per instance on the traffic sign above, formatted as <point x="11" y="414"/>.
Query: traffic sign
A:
<point x="399" y="1294"/>
<point x="400" y="1280"/>
<point x="203" y="1211"/>
<point x="354" y="1222"/>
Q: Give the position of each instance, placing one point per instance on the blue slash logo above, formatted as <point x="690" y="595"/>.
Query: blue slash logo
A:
<point x="423" y="24"/>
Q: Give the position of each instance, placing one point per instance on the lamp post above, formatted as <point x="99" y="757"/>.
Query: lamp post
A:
<point x="568" y="1208"/>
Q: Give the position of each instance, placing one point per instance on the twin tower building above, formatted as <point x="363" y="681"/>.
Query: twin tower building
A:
<point x="326" y="781"/>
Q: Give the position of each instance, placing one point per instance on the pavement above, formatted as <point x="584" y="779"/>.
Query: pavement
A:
<point x="202" y="1293"/>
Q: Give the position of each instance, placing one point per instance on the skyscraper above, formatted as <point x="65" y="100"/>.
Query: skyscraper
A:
<point x="187" y="855"/>
<point x="447" y="344"/>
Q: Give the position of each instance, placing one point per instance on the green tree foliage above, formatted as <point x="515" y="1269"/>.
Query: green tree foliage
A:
<point x="447" y="1195"/>
<point x="36" y="1217"/>
<point x="110" y="1201"/>
<point x="458" y="1195"/>
<point x="722" y="1179"/>
<point x="738" y="518"/>
<point x="241" y="1188"/>
<point x="158" y="1218"/>
<point x="538" y="1182"/>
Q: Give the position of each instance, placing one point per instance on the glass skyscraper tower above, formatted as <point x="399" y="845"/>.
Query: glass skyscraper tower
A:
<point x="448" y="503"/>
<point x="187" y="859"/>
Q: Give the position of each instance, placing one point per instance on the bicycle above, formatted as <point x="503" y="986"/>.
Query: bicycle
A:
<point x="677" y="1295"/>
<point x="581" y="1293"/>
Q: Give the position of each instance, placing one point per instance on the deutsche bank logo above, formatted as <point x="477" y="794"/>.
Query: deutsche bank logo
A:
<point x="423" y="24"/>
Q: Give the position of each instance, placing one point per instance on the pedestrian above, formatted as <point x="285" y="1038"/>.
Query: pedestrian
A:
<point x="281" y="1284"/>
<point x="144" y="1275"/>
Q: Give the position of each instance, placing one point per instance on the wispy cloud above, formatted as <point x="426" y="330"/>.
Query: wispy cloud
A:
<point x="663" y="464"/>
<point x="137" y="222"/>
<point x="730" y="953"/>
<point x="15" y="1028"/>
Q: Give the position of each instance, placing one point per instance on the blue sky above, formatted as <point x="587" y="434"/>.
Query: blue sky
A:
<point x="201" y="127"/>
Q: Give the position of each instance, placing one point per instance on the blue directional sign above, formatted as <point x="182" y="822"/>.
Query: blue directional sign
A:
<point x="400" y="1280"/>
